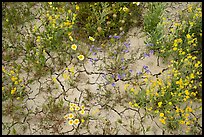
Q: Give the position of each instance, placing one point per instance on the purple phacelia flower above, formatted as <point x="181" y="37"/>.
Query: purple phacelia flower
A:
<point x="145" y="67"/>
<point x="119" y="76"/>
<point x="116" y="37"/>
<point x="126" y="51"/>
<point x="147" y="71"/>
<point x="123" y="68"/>
<point x="91" y="60"/>
<point x="151" y="52"/>
<point x="130" y="70"/>
<point x="110" y="36"/>
<point x="146" y="55"/>
<point x="95" y="59"/>
<point x="127" y="44"/>
<point x="139" y="73"/>
<point x="113" y="76"/>
<point x="113" y="84"/>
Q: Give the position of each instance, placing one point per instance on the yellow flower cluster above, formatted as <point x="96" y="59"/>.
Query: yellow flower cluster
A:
<point x="74" y="108"/>
<point x="163" y="120"/>
<point x="15" y="82"/>
<point x="13" y="91"/>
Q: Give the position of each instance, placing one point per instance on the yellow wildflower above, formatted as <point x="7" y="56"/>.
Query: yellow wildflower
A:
<point x="82" y="107"/>
<point x="175" y="48"/>
<point x="76" y="121"/>
<point x="77" y="108"/>
<point x="187" y="123"/>
<point x="67" y="23"/>
<point x="125" y="9"/>
<point x="71" y="109"/>
<point x="180" y="82"/>
<point x="159" y="104"/>
<point x="81" y="57"/>
<point x="82" y="120"/>
<point x="188" y="109"/>
<point x="91" y="38"/>
<point x="77" y="7"/>
<point x="69" y="11"/>
<point x="162" y="121"/>
<point x="149" y="109"/>
<point x="126" y="85"/>
<point x="186" y="92"/>
<point x="54" y="79"/>
<point x="13" y="91"/>
<point x="136" y="105"/>
<point x="181" y="122"/>
<point x="193" y="58"/>
<point x="82" y="112"/>
<point x="72" y="70"/>
<point x="74" y="46"/>
<point x="50" y="18"/>
<point x="161" y="114"/>
<point x="70" y="116"/>
<point x="192" y="76"/>
<point x="188" y="36"/>
<point x="65" y="76"/>
<point x="180" y="40"/>
<point x="193" y="93"/>
<point x="12" y="72"/>
<point x="196" y="65"/>
<point x="13" y="78"/>
<point x="183" y="53"/>
<point x="132" y="89"/>
<point x="72" y="105"/>
<point x="71" y="122"/>
<point x="70" y="37"/>
<point x="66" y="117"/>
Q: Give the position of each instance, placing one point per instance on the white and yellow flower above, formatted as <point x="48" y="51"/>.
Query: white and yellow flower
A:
<point x="74" y="46"/>
<point x="81" y="57"/>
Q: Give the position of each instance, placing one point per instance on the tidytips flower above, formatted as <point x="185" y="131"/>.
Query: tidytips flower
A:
<point x="74" y="46"/>
<point x="82" y="112"/>
<point x="76" y="121"/>
<point x="71" y="122"/>
<point x="70" y="116"/>
<point x="81" y="57"/>
<point x="77" y="108"/>
<point x="66" y="117"/>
